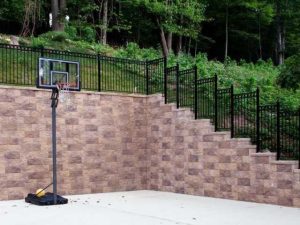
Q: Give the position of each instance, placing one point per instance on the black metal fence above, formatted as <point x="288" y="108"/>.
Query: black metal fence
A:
<point x="186" y="83"/>
<point x="18" y="65"/>
<point x="205" y="98"/>
<point x="171" y="84"/>
<point x="270" y="127"/>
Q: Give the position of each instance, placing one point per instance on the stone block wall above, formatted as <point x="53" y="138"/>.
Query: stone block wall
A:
<point x="187" y="156"/>
<point x="101" y="142"/>
<point x="114" y="142"/>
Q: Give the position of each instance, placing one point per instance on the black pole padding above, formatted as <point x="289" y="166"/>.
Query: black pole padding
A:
<point x="232" y="111"/>
<point x="278" y="131"/>
<point x="195" y="93"/>
<point x="257" y="121"/>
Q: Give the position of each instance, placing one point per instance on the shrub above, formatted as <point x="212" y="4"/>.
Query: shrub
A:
<point x="58" y="36"/>
<point x="71" y="31"/>
<point x="38" y="42"/>
<point x="290" y="73"/>
<point x="88" y="34"/>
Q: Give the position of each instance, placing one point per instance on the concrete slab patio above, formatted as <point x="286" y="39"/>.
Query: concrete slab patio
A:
<point x="146" y="208"/>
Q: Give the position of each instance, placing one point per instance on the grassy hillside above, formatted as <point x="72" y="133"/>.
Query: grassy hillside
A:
<point x="244" y="76"/>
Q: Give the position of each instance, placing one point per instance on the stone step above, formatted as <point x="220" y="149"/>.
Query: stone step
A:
<point x="217" y="136"/>
<point x="234" y="143"/>
<point x="183" y="114"/>
<point x="285" y="165"/>
<point x="263" y="157"/>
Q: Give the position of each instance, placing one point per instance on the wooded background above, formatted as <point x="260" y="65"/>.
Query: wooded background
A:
<point x="240" y="29"/>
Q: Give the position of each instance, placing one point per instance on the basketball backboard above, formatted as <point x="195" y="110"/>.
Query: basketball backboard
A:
<point x="52" y="72"/>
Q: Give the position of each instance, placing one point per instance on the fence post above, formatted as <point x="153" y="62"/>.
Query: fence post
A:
<point x="177" y="85"/>
<point x="299" y="137"/>
<point x="165" y="80"/>
<point x="147" y="78"/>
<point x="195" y="93"/>
<point x="42" y="51"/>
<point x="99" y="72"/>
<point x="257" y="121"/>
<point x="232" y="111"/>
<point x="216" y="102"/>
<point x="278" y="129"/>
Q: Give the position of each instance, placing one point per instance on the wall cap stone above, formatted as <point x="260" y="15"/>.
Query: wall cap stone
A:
<point x="82" y="92"/>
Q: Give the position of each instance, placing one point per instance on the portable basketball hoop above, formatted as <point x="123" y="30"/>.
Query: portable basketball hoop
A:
<point x="62" y="77"/>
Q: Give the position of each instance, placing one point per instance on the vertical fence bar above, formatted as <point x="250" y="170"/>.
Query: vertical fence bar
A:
<point x="232" y="111"/>
<point x="195" y="94"/>
<point x="165" y="80"/>
<point x="177" y="85"/>
<point x="257" y="122"/>
<point x="299" y="137"/>
<point x="216" y="102"/>
<point x="99" y="72"/>
<point x="147" y="78"/>
<point x="278" y="133"/>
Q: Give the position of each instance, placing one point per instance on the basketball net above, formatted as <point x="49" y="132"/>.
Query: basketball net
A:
<point x="64" y="95"/>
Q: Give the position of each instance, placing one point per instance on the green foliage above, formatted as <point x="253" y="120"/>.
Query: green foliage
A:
<point x="88" y="34"/>
<point x="57" y="36"/>
<point x="290" y="73"/>
<point x="38" y="42"/>
<point x="132" y="51"/>
<point x="12" y="10"/>
<point x="71" y="31"/>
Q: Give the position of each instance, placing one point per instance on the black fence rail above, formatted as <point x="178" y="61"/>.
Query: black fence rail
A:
<point x="270" y="127"/>
<point x="171" y="84"/>
<point x="205" y="97"/>
<point x="224" y="109"/>
<point x="289" y="135"/>
<point x="156" y="73"/>
<point x="245" y="117"/>
<point x="186" y="87"/>
<point x="269" y="131"/>
<point x="18" y="65"/>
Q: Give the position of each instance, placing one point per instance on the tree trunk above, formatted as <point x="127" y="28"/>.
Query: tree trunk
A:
<point x="189" y="46"/>
<point x="104" y="23"/>
<point x="62" y="12"/>
<point x="170" y="40"/>
<point x="259" y="36"/>
<point x="226" y="33"/>
<point x="280" y="35"/>
<point x="179" y="45"/>
<point x="98" y="19"/>
<point x="54" y="11"/>
<point x="164" y="42"/>
<point x="57" y="9"/>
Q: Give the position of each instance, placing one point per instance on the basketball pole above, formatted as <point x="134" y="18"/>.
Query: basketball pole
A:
<point x="54" y="103"/>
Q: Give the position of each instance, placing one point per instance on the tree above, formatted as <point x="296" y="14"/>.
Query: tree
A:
<point x="172" y="17"/>
<point x="263" y="13"/>
<point x="290" y="73"/>
<point x="58" y="9"/>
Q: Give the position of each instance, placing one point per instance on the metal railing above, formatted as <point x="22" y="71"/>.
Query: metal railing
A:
<point x="18" y="65"/>
<point x="270" y="127"/>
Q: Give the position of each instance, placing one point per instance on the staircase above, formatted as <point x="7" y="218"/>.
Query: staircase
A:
<point x="187" y="156"/>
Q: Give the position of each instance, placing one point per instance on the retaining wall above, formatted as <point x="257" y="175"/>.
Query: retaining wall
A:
<point x="115" y="142"/>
